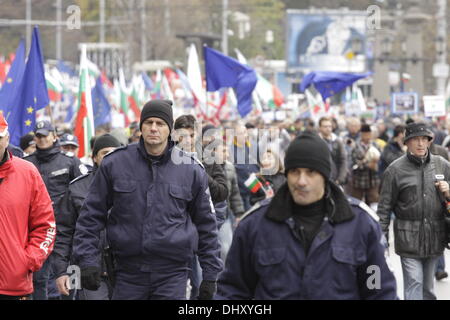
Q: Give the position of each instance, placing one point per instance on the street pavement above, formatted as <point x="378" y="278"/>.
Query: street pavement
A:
<point x="442" y="287"/>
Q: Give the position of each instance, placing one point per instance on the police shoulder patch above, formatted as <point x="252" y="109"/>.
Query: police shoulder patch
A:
<point x="83" y="169"/>
<point x="362" y="205"/>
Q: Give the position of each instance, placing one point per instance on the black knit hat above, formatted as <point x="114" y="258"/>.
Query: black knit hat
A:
<point x="160" y="109"/>
<point x="104" y="141"/>
<point x="26" y="141"/>
<point x="308" y="150"/>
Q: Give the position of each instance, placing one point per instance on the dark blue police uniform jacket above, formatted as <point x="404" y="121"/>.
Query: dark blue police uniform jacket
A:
<point x="161" y="212"/>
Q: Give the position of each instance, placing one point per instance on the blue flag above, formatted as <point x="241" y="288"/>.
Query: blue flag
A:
<point x="329" y="83"/>
<point x="64" y="68"/>
<point x="222" y="71"/>
<point x="147" y="82"/>
<point x="100" y="105"/>
<point x="8" y="92"/>
<point x="70" y="108"/>
<point x="32" y="94"/>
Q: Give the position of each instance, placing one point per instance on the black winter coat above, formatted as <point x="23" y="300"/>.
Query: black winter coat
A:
<point x="57" y="170"/>
<point x="409" y="190"/>
<point x="217" y="182"/>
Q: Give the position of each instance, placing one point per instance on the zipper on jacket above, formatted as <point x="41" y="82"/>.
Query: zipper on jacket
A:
<point x="292" y="226"/>
<point x="422" y="225"/>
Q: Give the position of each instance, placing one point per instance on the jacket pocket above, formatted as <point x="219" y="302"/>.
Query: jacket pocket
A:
<point x="345" y="263"/>
<point x="270" y="257"/>
<point x="407" y="236"/>
<point x="438" y="236"/>
<point x="124" y="195"/>
<point x="124" y="186"/>
<point x="15" y="274"/>
<point x="408" y="196"/>
<point x="348" y="255"/>
<point x="272" y="270"/>
<point x="180" y="198"/>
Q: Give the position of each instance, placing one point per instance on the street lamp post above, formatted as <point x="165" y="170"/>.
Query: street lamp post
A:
<point x="403" y="66"/>
<point x="440" y="68"/>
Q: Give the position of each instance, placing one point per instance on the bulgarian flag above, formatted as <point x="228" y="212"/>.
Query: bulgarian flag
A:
<point x="253" y="183"/>
<point x="316" y="105"/>
<point x="54" y="88"/>
<point x="134" y="101"/>
<point x="84" y="123"/>
<point x="278" y="98"/>
<point x="124" y="101"/>
<point x="268" y="93"/>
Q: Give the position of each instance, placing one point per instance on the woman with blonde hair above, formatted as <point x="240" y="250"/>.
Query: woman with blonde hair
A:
<point x="271" y="176"/>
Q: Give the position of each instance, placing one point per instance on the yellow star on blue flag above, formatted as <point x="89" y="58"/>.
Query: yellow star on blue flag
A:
<point x="31" y="94"/>
<point x="9" y="90"/>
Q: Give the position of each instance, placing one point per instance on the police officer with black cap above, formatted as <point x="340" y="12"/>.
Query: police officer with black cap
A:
<point x="57" y="170"/>
<point x="414" y="187"/>
<point x="69" y="144"/>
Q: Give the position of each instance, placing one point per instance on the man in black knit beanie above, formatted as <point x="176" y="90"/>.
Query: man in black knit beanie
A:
<point x="309" y="241"/>
<point x="155" y="204"/>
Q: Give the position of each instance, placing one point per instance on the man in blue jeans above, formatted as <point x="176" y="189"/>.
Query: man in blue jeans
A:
<point x="414" y="187"/>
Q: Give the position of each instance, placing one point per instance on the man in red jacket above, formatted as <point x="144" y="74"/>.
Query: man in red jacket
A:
<point x="27" y="222"/>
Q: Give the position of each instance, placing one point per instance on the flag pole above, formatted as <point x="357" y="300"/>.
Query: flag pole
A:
<point x="206" y="86"/>
<point x="49" y="110"/>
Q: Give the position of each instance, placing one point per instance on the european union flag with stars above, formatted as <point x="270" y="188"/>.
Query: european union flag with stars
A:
<point x="9" y="89"/>
<point x="32" y="94"/>
<point x="100" y="104"/>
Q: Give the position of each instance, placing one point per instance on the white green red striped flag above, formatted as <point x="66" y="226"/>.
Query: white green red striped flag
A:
<point x="253" y="183"/>
<point x="84" y="123"/>
<point x="54" y="87"/>
<point x="134" y="99"/>
<point x="124" y="101"/>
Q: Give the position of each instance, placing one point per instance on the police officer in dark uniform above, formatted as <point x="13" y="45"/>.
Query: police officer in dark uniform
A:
<point x="69" y="144"/>
<point x="310" y="241"/>
<point x="57" y="170"/>
<point x="69" y="211"/>
<point x="157" y="213"/>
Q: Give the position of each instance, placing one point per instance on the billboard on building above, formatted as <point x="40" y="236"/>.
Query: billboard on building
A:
<point x="322" y="40"/>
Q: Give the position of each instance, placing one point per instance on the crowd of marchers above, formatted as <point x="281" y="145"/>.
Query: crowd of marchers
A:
<point x="182" y="209"/>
